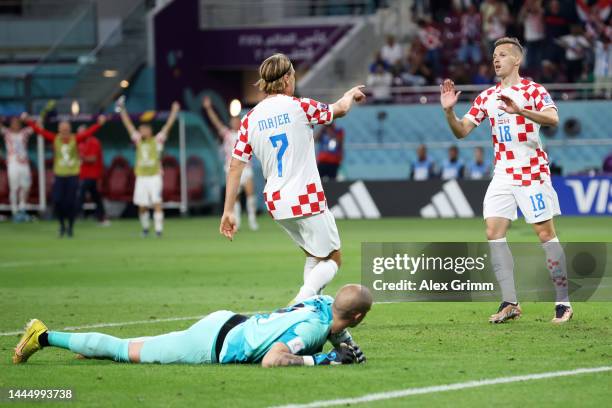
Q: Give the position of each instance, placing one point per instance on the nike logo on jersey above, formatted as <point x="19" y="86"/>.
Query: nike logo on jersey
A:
<point x="537" y="215"/>
<point x="501" y="114"/>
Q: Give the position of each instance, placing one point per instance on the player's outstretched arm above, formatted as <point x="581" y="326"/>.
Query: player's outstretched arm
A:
<point x="344" y="104"/>
<point x="228" y="225"/>
<point x="547" y="117"/>
<point x="174" y="111"/>
<point x="125" y="117"/>
<point x="448" y="99"/>
<point x="36" y="127"/>
<point x="212" y="115"/>
<point x="280" y="356"/>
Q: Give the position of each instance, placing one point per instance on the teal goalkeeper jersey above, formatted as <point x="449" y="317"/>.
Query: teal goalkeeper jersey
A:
<point x="303" y="328"/>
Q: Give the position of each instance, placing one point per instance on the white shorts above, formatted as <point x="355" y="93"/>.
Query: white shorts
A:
<point x="316" y="234"/>
<point x="148" y="190"/>
<point x="538" y="202"/>
<point x="19" y="175"/>
<point x="247" y="174"/>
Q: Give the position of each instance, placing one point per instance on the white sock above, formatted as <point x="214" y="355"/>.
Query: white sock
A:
<point x="309" y="264"/>
<point x="251" y="204"/>
<point x="13" y="199"/>
<point x="158" y="218"/>
<point x="23" y="198"/>
<point x="317" y="279"/>
<point x="237" y="211"/>
<point x="556" y="265"/>
<point x="144" y="220"/>
<point x="503" y="266"/>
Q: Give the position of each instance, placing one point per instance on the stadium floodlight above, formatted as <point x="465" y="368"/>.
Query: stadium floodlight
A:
<point x="75" y="108"/>
<point x="235" y="107"/>
<point x="124" y="84"/>
<point x="109" y="73"/>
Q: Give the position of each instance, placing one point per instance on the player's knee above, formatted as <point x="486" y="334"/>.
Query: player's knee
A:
<point x="336" y="257"/>
<point x="493" y="232"/>
<point x="546" y="235"/>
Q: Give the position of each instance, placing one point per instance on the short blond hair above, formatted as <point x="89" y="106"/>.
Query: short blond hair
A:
<point x="272" y="72"/>
<point x="510" y="40"/>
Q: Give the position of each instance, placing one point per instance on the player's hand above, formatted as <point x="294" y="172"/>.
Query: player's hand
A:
<point x="357" y="93"/>
<point x="228" y="225"/>
<point x="359" y="356"/>
<point x="24" y="116"/>
<point x="176" y="106"/>
<point x="508" y="105"/>
<point x="206" y="102"/>
<point x="101" y="120"/>
<point x="343" y="354"/>
<point x="120" y="104"/>
<point x="448" y="95"/>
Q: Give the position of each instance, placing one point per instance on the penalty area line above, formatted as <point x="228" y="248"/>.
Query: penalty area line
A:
<point x="379" y="396"/>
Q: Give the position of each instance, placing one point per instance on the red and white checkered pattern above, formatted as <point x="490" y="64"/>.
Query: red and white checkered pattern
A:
<point x="242" y="149"/>
<point x="317" y="113"/>
<point x="16" y="144"/>
<point x="311" y="203"/>
<point x="278" y="131"/>
<point x="521" y="160"/>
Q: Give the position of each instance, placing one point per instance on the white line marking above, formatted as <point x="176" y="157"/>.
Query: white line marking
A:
<point x="447" y="387"/>
<point x="119" y="324"/>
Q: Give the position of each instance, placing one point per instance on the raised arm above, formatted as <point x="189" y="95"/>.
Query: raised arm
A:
<point x="448" y="99"/>
<point x="341" y="107"/>
<point x="48" y="135"/>
<point x="91" y="130"/>
<point x="212" y="115"/>
<point x="546" y="117"/>
<point x="125" y="117"/>
<point x="174" y="111"/>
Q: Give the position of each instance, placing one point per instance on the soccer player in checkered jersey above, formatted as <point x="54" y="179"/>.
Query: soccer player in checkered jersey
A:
<point x="516" y="108"/>
<point x="279" y="131"/>
<point x="228" y="137"/>
<point x="16" y="142"/>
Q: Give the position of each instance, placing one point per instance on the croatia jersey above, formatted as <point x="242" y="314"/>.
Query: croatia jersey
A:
<point x="17" y="145"/>
<point x="229" y="138"/>
<point x="279" y="132"/>
<point x="519" y="156"/>
<point x="303" y="328"/>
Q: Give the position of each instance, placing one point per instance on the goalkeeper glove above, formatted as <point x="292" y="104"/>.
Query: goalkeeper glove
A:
<point x="345" y="337"/>
<point x="343" y="354"/>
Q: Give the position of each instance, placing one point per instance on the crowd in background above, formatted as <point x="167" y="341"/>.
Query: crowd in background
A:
<point x="564" y="41"/>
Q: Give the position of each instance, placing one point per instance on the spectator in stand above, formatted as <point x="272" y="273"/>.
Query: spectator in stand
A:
<point x="576" y="47"/>
<point x="602" y="70"/>
<point x="429" y="38"/>
<point x="392" y="52"/>
<point x="549" y="73"/>
<point x="415" y="72"/>
<point x="379" y="60"/>
<point x="92" y="167"/>
<point x="478" y="169"/>
<point x="423" y="168"/>
<point x="471" y="24"/>
<point x="379" y="84"/>
<point x="453" y="167"/>
<point x="330" y="141"/>
<point x="556" y="26"/>
<point x="532" y="16"/>
<point x="495" y="17"/>
<point x="483" y="76"/>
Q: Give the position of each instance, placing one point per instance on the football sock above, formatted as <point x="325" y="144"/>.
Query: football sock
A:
<point x="310" y="263"/>
<point x="13" y="200"/>
<point x="237" y="211"/>
<point x="251" y="204"/>
<point x="144" y="220"/>
<point x="555" y="262"/>
<point x="158" y="218"/>
<point x="93" y="345"/>
<point x="503" y="266"/>
<point x="317" y="279"/>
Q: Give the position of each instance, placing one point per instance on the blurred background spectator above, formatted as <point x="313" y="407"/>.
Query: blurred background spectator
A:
<point x="478" y="168"/>
<point x="330" y="146"/>
<point x="379" y="83"/>
<point x="453" y="167"/>
<point x="423" y="168"/>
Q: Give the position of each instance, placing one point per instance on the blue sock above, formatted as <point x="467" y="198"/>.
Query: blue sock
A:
<point x="95" y="345"/>
<point x="59" y="339"/>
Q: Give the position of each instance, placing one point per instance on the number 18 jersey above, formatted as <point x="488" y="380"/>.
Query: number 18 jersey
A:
<point x="279" y="131"/>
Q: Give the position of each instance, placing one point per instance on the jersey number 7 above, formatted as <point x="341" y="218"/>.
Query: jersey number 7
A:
<point x="282" y="138"/>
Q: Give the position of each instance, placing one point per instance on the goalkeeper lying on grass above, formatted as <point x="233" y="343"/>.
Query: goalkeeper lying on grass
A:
<point x="294" y="335"/>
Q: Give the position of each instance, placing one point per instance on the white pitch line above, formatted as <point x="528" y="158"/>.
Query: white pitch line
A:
<point x="119" y="324"/>
<point x="447" y="387"/>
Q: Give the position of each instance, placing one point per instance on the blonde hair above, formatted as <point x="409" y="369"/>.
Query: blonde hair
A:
<point x="272" y="72"/>
<point x="510" y="40"/>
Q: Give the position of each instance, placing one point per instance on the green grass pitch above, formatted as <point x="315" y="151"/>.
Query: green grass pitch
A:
<point x="107" y="275"/>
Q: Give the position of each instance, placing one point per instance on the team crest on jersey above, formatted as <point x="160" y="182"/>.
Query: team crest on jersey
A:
<point x="323" y="106"/>
<point x="546" y="99"/>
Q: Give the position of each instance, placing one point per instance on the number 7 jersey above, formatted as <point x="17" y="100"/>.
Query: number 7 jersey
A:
<point x="279" y="131"/>
<point x="519" y="156"/>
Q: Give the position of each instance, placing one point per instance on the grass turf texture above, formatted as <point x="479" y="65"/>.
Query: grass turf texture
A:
<point x="113" y="275"/>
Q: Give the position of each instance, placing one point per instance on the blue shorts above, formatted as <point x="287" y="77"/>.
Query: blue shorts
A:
<point x="196" y="345"/>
